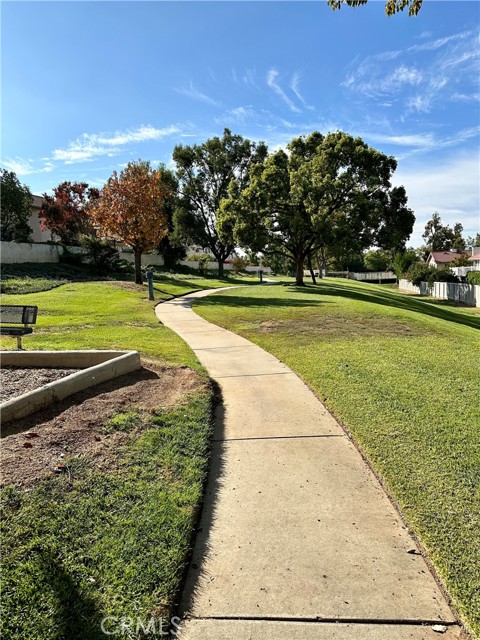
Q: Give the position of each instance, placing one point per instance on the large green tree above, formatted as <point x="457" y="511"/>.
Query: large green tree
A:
<point x="16" y="208"/>
<point x="204" y="172"/>
<point x="391" y="6"/>
<point x="327" y="191"/>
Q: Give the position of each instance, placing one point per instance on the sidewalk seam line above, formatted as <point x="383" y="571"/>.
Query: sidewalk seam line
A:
<point x="321" y="620"/>
<point x="320" y="435"/>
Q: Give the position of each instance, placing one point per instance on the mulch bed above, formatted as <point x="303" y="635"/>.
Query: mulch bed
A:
<point x="15" y="381"/>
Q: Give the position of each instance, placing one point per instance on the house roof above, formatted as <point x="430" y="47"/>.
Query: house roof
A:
<point x="37" y="202"/>
<point x="447" y="256"/>
<point x="475" y="257"/>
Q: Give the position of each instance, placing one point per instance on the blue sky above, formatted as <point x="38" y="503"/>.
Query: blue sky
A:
<point x="88" y="86"/>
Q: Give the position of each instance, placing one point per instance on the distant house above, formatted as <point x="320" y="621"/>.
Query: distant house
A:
<point x="444" y="258"/>
<point x="34" y="221"/>
<point x="475" y="258"/>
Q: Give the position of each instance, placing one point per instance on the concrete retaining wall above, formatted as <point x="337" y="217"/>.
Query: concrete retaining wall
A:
<point x="20" y="252"/>
<point x="98" y="366"/>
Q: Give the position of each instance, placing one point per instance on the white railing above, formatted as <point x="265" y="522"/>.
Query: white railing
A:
<point x="373" y="275"/>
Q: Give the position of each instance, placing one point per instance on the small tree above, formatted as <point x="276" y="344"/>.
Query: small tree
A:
<point x="403" y="261"/>
<point x="132" y="207"/>
<point x="16" y="208"/>
<point x="65" y="212"/>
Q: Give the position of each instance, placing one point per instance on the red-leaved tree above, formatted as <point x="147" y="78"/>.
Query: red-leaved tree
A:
<point x="133" y="208"/>
<point x="65" y="213"/>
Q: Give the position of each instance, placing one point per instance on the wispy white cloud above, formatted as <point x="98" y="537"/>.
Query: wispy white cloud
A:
<point x="249" y="78"/>
<point x="423" y="142"/>
<point x="272" y="76"/>
<point x="195" y="94"/>
<point x="419" y="81"/>
<point x="92" y="145"/>
<point x="295" y="87"/>
<point x="24" y="167"/>
<point x="238" y="115"/>
<point x="390" y="84"/>
<point x="465" y="97"/>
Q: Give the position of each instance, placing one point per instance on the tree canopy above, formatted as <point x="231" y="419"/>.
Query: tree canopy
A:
<point x="440" y="237"/>
<point x="65" y="212"/>
<point x="328" y="190"/>
<point x="205" y="172"/>
<point x="16" y="208"/>
<point x="391" y="6"/>
<point x="133" y="208"/>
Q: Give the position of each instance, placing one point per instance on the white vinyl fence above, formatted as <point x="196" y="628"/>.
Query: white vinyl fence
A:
<point x="373" y="275"/>
<point x="465" y="293"/>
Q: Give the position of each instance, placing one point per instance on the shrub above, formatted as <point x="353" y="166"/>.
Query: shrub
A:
<point x="419" y="272"/>
<point x="203" y="261"/>
<point x="473" y="277"/>
<point x="69" y="257"/>
<point x="100" y="254"/>
<point x="442" y="275"/>
<point x="239" y="264"/>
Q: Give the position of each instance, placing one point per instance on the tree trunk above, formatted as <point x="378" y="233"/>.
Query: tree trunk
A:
<point x="310" y="268"/>
<point x="138" y="266"/>
<point x="299" y="272"/>
<point x="220" y="269"/>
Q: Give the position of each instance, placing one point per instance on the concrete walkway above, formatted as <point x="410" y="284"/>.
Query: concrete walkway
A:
<point x="297" y="538"/>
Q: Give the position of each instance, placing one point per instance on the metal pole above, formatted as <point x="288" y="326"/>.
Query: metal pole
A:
<point x="150" y="284"/>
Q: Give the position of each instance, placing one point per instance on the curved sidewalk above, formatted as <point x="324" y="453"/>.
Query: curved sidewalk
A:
<point x="297" y="538"/>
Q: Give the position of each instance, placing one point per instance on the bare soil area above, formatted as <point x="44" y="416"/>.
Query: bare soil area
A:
<point x="14" y="381"/>
<point x="33" y="446"/>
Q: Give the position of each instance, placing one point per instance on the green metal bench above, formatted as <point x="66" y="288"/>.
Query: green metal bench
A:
<point x="15" y="320"/>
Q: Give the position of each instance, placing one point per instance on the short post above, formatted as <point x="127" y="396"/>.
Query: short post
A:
<point x="150" y="284"/>
<point x="260" y="275"/>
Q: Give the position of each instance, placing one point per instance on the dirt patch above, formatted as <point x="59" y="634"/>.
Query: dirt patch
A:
<point x="14" y="381"/>
<point x="343" y="326"/>
<point x="33" y="446"/>
<point x="129" y="286"/>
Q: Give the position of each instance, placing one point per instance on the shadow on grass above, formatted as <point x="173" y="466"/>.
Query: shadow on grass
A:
<point x="382" y="296"/>
<point x="244" y="301"/>
<point x="398" y="301"/>
<point x="76" y="615"/>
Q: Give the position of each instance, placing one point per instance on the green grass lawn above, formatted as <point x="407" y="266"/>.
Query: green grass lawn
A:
<point x="96" y="544"/>
<point x="107" y="543"/>
<point x="403" y="374"/>
<point x="110" y="315"/>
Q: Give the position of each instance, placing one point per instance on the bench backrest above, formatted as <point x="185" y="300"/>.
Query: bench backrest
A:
<point x="18" y="314"/>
